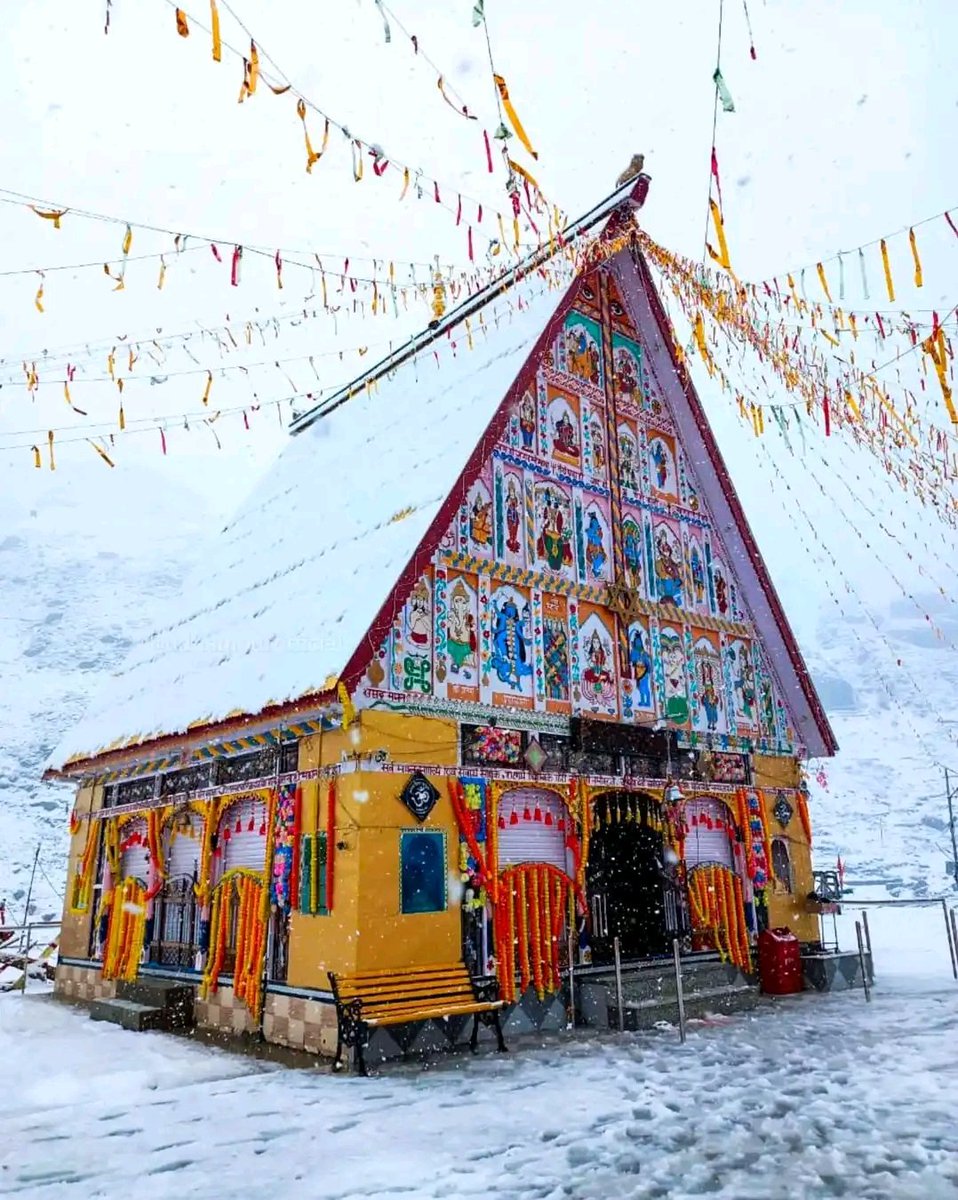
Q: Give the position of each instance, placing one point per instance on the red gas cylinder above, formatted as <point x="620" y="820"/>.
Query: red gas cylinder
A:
<point x="779" y="962"/>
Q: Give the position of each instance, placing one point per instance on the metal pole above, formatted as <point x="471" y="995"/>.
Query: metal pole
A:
<point x="951" y="822"/>
<point x="618" y="984"/>
<point x="861" y="960"/>
<point x="26" y="962"/>
<point x="572" y="977"/>
<point x="26" y="907"/>
<point x="678" y="988"/>
<point x="954" y="929"/>
<point x="868" y="936"/>
<point x="951" y="944"/>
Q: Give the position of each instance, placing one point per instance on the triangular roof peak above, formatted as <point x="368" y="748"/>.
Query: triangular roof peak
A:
<point x="306" y="581"/>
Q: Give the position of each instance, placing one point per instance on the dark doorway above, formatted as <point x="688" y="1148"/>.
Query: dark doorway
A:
<point x="625" y="878"/>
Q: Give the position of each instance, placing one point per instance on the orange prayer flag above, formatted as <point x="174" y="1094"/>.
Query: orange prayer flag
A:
<point x="102" y="453"/>
<point x="182" y="28"/>
<point x="53" y="215"/>
<point x="934" y="346"/>
<point x="253" y="67"/>
<point x="513" y="115"/>
<point x="914" y="253"/>
<point x="888" y="280"/>
<point x="215" y="30"/>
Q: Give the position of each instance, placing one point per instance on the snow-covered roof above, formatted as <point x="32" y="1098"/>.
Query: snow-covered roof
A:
<point x="289" y="590"/>
<point x="294" y="581"/>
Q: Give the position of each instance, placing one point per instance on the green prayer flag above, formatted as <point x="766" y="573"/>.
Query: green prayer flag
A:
<point x="478" y="12"/>
<point x="728" y="104"/>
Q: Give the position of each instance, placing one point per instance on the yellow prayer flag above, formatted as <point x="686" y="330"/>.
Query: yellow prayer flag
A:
<point x="38" y="299"/>
<point x="127" y="240"/>
<point x="209" y="384"/>
<point x="513" y="115"/>
<point x="53" y="215"/>
<point x="102" y="453"/>
<point x="53" y="465"/>
<point x="121" y="419"/>
<point x="914" y="253"/>
<point x="823" y="281"/>
<point x="215" y="30"/>
<point x="36" y="457"/>
<point x="888" y="281"/>
<point x="253" y="68"/>
<point x="722" y="256"/>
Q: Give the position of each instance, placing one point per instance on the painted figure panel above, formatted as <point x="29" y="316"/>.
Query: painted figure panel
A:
<point x="637" y="669"/>
<point x="564" y="432"/>
<point x="662" y="463"/>
<point x="617" y="309"/>
<point x="554" y="528"/>
<point x="479" y="520"/>
<point x="667" y="564"/>
<point x="628" y="456"/>
<point x="555" y="652"/>
<point x="597" y="541"/>
<point x="411" y="664"/>
<point x="709" y="716"/>
<point x="597" y="657"/>
<point x="510" y="517"/>
<point x="627" y="369"/>
<point x="674" y="671"/>
<point x="698" y="597"/>
<point x="632" y="556"/>
<point x="526" y="411"/>
<point x="462" y="638"/>
<point x="741" y="672"/>
<point x="510" y="651"/>
<point x="596" y="450"/>
<point x="721" y="588"/>
<point x="582" y="348"/>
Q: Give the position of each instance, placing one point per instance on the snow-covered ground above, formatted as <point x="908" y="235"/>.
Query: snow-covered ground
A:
<point x="810" y="1097"/>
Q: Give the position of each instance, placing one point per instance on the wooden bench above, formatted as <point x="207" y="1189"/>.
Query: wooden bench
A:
<point x="369" y="1000"/>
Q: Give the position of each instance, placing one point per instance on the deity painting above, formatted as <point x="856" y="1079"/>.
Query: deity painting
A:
<point x="674" y="676"/>
<point x="565" y="439"/>
<point x="626" y="367"/>
<point x="479" y="519"/>
<point x="511" y="657"/>
<point x="640" y="664"/>
<point x="628" y="459"/>
<point x="462" y="643"/>
<point x="720" y="582"/>
<point x="768" y="705"/>
<point x="598" y="667"/>
<point x="708" y="678"/>
<point x="555" y="647"/>
<point x="597" y="438"/>
<point x="582" y="353"/>
<point x="419" y="616"/>
<point x="527" y="420"/>
<point x="596" y="545"/>
<point x="668" y="566"/>
<point x="697" y="573"/>
<point x="632" y="551"/>
<point x="744" y="690"/>
<point x="662" y="465"/>
<point x="617" y="310"/>
<point x="554" y="527"/>
<point x="512" y="514"/>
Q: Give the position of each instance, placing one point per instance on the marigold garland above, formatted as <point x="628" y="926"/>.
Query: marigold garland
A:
<point x="125" y="932"/>
<point x="804" y="817"/>
<point x="717" y="902"/>
<point x="82" y="887"/>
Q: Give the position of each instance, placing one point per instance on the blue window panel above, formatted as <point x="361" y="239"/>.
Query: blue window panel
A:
<point x="422" y="871"/>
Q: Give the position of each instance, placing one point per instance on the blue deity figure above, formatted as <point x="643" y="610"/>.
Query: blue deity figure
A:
<point x="594" y="546"/>
<point x="641" y="663"/>
<point x="510" y="648"/>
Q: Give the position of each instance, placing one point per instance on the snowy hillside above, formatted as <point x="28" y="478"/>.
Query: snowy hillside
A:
<point x="86" y="565"/>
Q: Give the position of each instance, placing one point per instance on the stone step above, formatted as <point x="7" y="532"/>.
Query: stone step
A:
<point x="722" y="1001"/>
<point x="175" y="999"/>
<point x="128" y="1014"/>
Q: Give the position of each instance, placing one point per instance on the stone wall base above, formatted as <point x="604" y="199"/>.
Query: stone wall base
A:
<point x="82" y="984"/>
<point x="300" y="1023"/>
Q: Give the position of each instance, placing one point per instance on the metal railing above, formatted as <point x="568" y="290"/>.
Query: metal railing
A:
<point x="22" y="950"/>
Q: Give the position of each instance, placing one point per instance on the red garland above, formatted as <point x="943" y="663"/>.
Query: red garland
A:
<point x="294" y="866"/>
<point x="330" y="843"/>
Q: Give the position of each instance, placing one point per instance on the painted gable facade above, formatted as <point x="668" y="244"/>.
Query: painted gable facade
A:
<point x="582" y="573"/>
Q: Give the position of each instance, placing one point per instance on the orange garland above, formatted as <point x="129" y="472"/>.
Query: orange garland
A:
<point x="125" y="932"/>
<point x="718" y="909"/>
<point x="534" y="898"/>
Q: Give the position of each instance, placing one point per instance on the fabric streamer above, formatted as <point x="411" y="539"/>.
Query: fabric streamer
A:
<point x="724" y="95"/>
<point x="861" y="263"/>
<point x="53" y="215"/>
<point x="722" y="256"/>
<point x="513" y="115"/>
<point x="914" y="254"/>
<point x="312" y="156"/>
<point x="463" y="111"/>
<point x="162" y="278"/>
<point x="936" y="349"/>
<point x="215" y="30"/>
<point x="887" y="267"/>
<point x="206" y="390"/>
<point x="823" y="281"/>
<point x="182" y="28"/>
<point x="478" y="13"/>
<point x="235" y="267"/>
<point x="53" y="465"/>
<point x="715" y="176"/>
<point x="102" y="453"/>
<point x="841" y="278"/>
<point x="36" y="457"/>
<point x="38" y="299"/>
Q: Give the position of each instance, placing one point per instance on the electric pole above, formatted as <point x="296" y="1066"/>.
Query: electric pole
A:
<point x="951" y="823"/>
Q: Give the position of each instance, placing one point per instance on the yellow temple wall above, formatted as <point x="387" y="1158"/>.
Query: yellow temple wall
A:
<point x="75" y="930"/>
<point x="787" y="909"/>
<point x="369" y="820"/>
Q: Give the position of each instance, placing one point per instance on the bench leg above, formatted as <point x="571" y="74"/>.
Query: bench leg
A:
<point x="502" y="1047"/>
<point x="363" y="1069"/>
<point x="474" y="1040"/>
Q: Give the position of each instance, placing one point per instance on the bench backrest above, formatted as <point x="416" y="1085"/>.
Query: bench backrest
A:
<point x="432" y="987"/>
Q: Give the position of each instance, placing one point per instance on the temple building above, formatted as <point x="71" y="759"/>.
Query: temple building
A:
<point x="488" y="673"/>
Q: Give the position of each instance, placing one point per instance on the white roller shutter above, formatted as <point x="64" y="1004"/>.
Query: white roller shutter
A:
<point x="706" y="833"/>
<point x="135" y="855"/>
<point x="533" y="826"/>
<point x="183" y="850"/>
<point x="243" y="835"/>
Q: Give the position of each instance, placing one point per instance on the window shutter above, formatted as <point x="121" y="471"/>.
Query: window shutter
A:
<point x="183" y="850"/>
<point x="135" y="859"/>
<point x="704" y="844"/>
<point x="246" y="846"/>
<point x="534" y="830"/>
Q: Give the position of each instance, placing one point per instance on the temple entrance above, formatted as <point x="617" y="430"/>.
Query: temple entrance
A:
<point x="625" y="878"/>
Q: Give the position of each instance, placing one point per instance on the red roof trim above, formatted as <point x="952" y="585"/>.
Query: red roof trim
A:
<point x="735" y="506"/>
